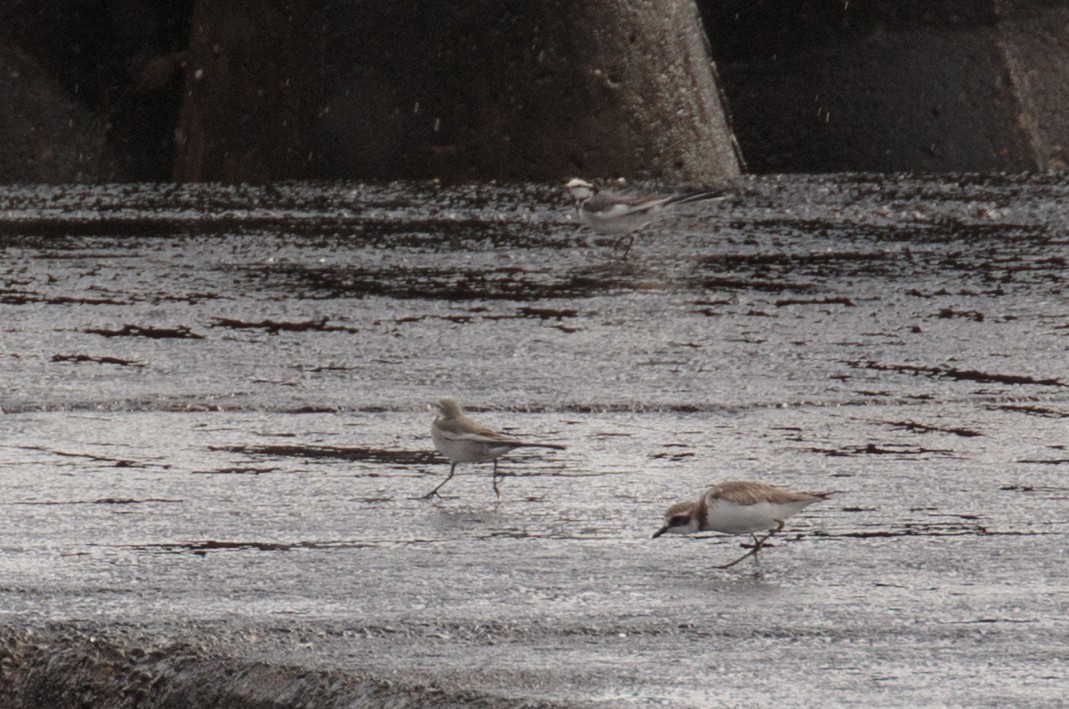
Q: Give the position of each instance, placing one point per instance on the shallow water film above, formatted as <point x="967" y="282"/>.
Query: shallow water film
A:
<point x="214" y="445"/>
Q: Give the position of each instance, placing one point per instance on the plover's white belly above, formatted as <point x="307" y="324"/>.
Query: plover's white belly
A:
<point x="729" y="518"/>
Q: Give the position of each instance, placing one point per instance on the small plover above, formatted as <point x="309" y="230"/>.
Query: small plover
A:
<point x="738" y="507"/>
<point x="608" y="212"/>
<point x="462" y="440"/>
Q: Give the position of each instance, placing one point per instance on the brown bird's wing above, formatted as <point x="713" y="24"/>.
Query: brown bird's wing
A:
<point x="745" y="492"/>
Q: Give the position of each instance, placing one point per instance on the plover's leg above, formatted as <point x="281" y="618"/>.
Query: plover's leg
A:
<point x="747" y="555"/>
<point x="434" y="492"/>
<point x="627" y="247"/>
<point x="758" y="544"/>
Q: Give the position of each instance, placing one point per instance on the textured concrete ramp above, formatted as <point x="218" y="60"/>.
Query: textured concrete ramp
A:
<point x="214" y="446"/>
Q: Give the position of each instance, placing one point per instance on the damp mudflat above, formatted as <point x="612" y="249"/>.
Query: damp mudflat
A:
<point x="214" y="444"/>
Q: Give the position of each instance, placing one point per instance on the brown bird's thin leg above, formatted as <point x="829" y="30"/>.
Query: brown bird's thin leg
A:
<point x="496" y="492"/>
<point x="758" y="544"/>
<point x="630" y="239"/>
<point x="434" y="492"/>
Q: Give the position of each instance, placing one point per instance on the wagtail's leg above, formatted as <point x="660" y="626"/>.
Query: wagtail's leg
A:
<point x="496" y="492"/>
<point x="434" y="492"/>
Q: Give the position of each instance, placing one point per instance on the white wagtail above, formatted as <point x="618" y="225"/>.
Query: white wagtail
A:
<point x="609" y="212"/>
<point x="738" y="507"/>
<point x="462" y="440"/>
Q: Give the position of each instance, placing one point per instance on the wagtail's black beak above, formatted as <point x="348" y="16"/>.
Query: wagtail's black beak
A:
<point x="660" y="531"/>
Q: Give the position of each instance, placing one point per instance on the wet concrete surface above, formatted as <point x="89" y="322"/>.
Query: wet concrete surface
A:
<point x="215" y="442"/>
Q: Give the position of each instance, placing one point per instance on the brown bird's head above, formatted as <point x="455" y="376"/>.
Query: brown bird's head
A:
<point x="681" y="518"/>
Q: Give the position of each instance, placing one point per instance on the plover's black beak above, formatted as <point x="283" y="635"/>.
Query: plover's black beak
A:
<point x="660" y="531"/>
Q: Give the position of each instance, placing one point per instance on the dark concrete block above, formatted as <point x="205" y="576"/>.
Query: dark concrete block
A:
<point x="476" y="90"/>
<point x="1035" y="46"/>
<point x="912" y="86"/>
<point x="120" y="60"/>
<point x="45" y="135"/>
